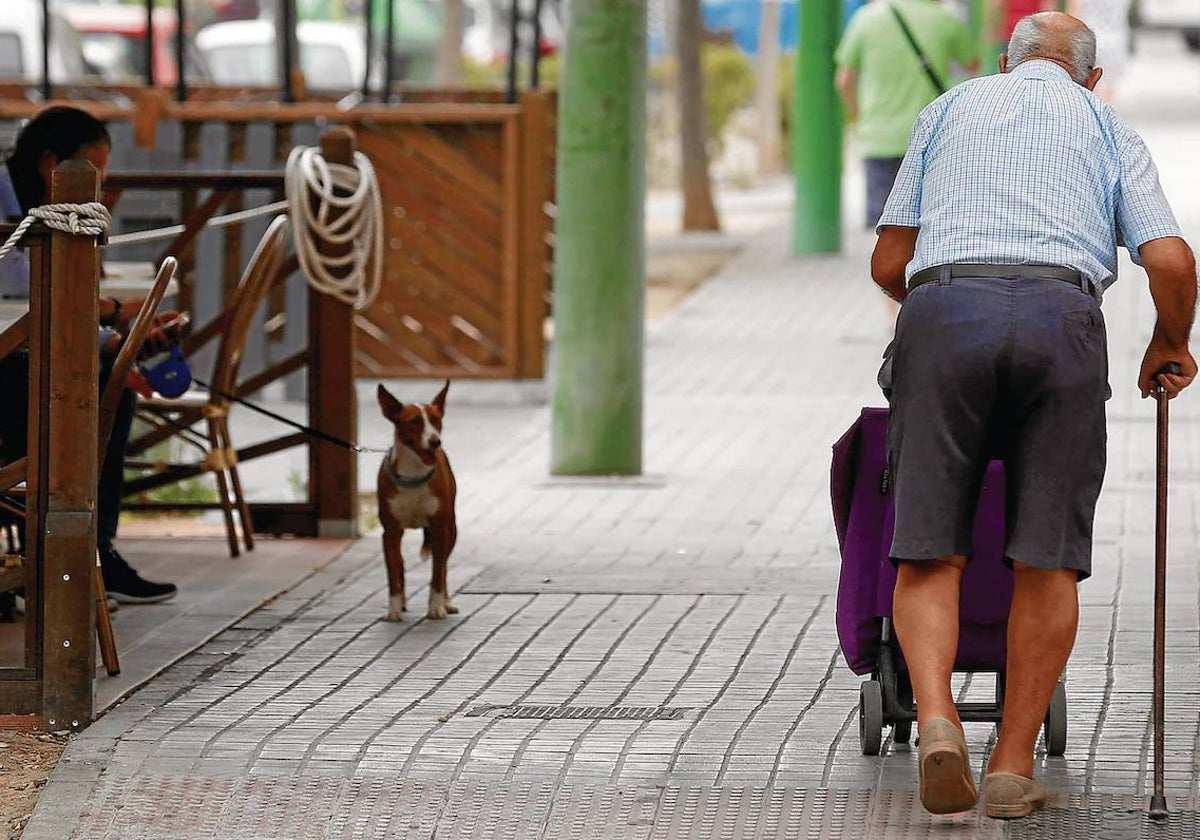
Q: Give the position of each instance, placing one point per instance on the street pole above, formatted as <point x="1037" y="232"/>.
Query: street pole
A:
<point x="181" y="89"/>
<point x="599" y="273"/>
<point x="285" y="35"/>
<point x="514" y="46"/>
<point x="369" y="33"/>
<point x="47" y="85"/>
<point x="148" y="50"/>
<point x="817" y="132"/>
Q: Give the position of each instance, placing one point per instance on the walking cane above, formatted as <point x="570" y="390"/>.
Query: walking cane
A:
<point x="1158" y="801"/>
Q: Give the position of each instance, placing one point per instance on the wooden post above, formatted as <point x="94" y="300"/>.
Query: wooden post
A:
<point x="332" y="400"/>
<point x="63" y="488"/>
<point x="536" y="192"/>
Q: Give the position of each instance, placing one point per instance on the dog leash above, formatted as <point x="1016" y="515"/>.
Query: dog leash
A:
<point x="279" y="418"/>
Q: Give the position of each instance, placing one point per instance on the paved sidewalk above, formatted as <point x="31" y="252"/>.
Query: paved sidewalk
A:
<point x="706" y="587"/>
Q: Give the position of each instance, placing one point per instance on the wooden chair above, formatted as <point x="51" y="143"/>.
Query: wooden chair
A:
<point x="13" y="499"/>
<point x="177" y="417"/>
<point x="122" y="365"/>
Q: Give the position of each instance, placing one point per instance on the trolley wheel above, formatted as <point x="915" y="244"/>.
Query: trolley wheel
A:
<point x="902" y="729"/>
<point x="1055" y="731"/>
<point x="870" y="717"/>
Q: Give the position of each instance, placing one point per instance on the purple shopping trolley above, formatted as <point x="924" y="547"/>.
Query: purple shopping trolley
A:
<point x="864" y="516"/>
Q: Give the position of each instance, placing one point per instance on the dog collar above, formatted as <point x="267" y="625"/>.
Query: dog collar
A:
<point x="403" y="481"/>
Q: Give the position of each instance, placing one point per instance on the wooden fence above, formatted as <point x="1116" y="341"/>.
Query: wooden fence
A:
<point x="468" y="190"/>
<point x="54" y="681"/>
<point x="327" y="354"/>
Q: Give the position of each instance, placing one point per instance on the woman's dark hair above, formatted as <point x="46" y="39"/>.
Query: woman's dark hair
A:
<point x="60" y="130"/>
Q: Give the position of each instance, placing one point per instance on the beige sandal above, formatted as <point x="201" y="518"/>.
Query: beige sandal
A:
<point x="1008" y="796"/>
<point x="947" y="784"/>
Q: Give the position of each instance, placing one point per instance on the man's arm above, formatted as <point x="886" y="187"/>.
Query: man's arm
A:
<point x="1172" y="269"/>
<point x="894" y="250"/>
<point x="847" y="86"/>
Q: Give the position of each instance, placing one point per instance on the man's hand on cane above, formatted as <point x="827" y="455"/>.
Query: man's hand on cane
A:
<point x="1158" y="355"/>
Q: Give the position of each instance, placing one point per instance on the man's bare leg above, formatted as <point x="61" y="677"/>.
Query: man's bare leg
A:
<point x="925" y="616"/>
<point x="925" y="613"/>
<point x="1041" y="633"/>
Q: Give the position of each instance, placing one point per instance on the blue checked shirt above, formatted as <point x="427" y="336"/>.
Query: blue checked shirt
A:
<point x="1027" y="167"/>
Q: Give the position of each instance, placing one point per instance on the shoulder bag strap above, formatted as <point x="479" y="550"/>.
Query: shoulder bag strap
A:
<point x="925" y="65"/>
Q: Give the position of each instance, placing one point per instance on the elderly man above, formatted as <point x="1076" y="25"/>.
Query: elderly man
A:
<point x="1000" y="236"/>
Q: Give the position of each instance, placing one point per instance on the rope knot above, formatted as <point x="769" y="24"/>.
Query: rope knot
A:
<point x="90" y="219"/>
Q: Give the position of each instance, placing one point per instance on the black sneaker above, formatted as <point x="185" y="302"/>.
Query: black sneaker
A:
<point x="126" y="586"/>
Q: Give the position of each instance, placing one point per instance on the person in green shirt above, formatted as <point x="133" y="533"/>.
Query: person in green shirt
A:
<point x="884" y="85"/>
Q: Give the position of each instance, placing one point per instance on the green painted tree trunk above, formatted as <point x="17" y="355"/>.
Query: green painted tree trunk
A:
<point x="599" y="274"/>
<point x="817" y="131"/>
<point x="985" y="23"/>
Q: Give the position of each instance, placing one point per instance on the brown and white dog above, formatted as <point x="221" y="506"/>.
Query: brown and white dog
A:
<point x="416" y="490"/>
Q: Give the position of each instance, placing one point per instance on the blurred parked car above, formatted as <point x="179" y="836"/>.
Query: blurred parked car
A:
<point x="21" y="44"/>
<point x="1181" y="15"/>
<point x="236" y="9"/>
<point x="114" y="42"/>
<point x="332" y="55"/>
<point x="203" y="13"/>
<point x="486" y="38"/>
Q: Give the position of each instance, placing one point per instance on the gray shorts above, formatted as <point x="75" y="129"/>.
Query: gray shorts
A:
<point x="881" y="177"/>
<point x="1012" y="368"/>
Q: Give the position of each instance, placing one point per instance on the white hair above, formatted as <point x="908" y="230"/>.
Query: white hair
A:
<point x="1033" y="38"/>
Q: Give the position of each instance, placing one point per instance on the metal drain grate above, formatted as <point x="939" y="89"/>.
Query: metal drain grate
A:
<point x="583" y="712"/>
<point x="1103" y="824"/>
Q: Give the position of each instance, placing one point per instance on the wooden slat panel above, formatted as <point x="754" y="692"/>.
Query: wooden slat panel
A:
<point x="482" y="146"/>
<point x="418" y="279"/>
<point x="440" y="219"/>
<point x="448" y="344"/>
<point x="421" y="247"/>
<point x="387" y="335"/>
<point x="456" y="253"/>
<point x="392" y="165"/>
<point x="425" y="142"/>
<point x="376" y="352"/>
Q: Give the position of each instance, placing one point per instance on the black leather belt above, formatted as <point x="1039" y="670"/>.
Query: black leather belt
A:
<point x="1050" y="272"/>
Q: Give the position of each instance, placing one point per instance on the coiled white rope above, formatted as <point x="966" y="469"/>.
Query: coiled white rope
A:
<point x="90" y="219"/>
<point x="335" y="204"/>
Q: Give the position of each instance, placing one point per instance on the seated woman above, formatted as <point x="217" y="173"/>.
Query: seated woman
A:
<point x="57" y="134"/>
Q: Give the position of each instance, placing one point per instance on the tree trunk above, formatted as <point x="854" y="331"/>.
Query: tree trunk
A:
<point x="770" y="157"/>
<point x="450" y="60"/>
<point x="600" y="250"/>
<point x="699" y="212"/>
